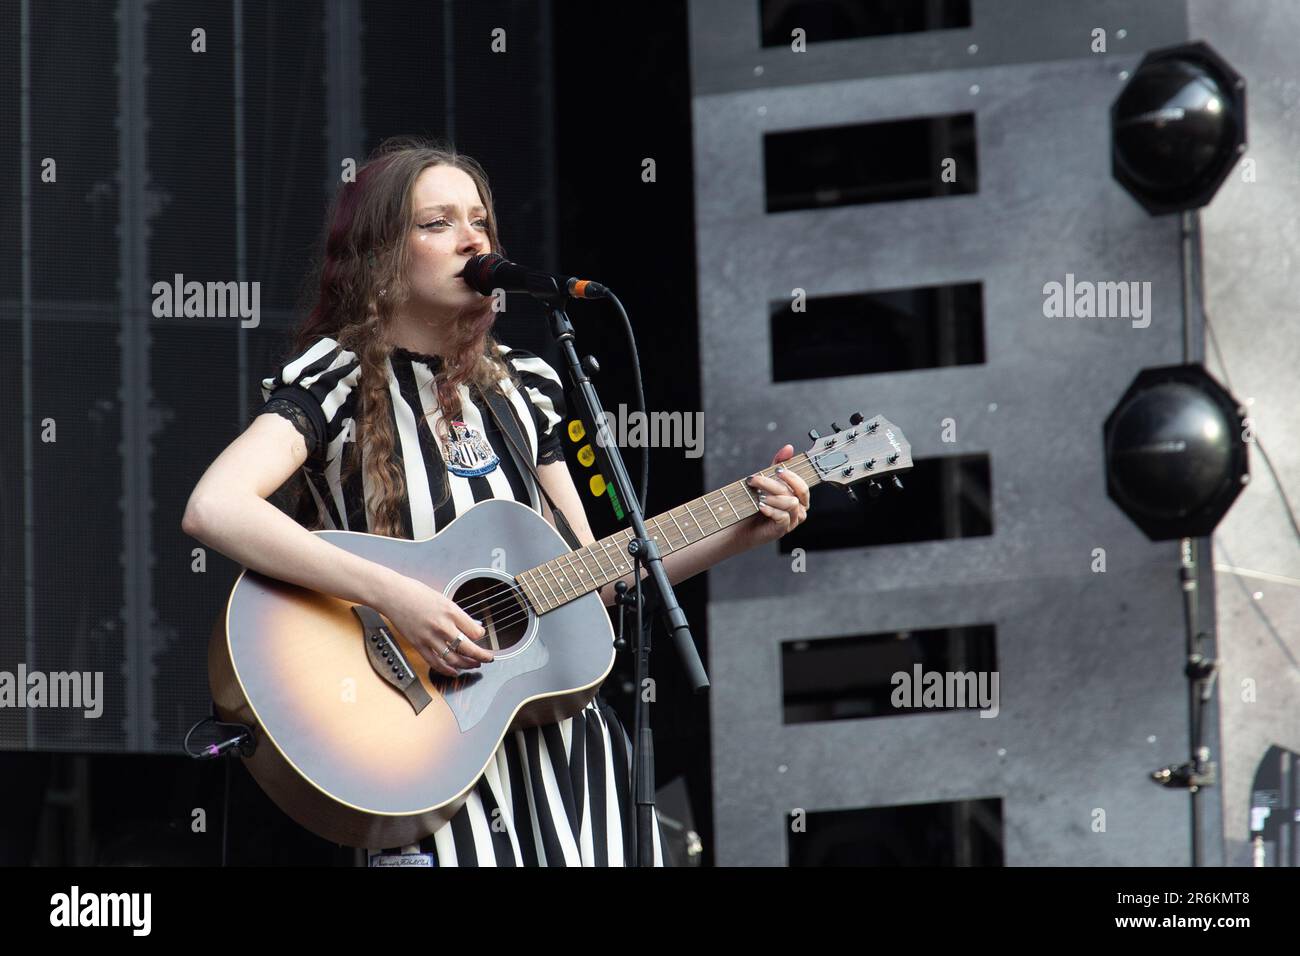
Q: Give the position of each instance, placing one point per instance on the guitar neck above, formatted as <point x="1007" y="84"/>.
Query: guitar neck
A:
<point x="572" y="575"/>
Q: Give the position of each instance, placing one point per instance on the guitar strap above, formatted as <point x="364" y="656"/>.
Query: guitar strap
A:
<point x="503" y="412"/>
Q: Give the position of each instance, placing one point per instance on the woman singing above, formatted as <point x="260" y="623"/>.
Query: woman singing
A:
<point x="374" y="409"/>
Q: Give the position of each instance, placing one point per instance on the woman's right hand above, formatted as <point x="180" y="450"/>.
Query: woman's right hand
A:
<point x="430" y="621"/>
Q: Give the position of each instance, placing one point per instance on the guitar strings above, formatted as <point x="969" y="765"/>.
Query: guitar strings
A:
<point x="509" y="597"/>
<point x="494" y="598"/>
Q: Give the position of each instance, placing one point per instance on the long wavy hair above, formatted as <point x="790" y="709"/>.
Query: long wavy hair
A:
<point x="359" y="283"/>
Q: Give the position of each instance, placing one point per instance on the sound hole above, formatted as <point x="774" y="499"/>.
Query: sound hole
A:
<point x="501" y="608"/>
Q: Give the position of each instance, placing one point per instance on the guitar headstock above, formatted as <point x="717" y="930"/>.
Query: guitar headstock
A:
<point x="867" y="449"/>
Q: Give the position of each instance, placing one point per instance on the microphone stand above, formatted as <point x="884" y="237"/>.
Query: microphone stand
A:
<point x="1200" y="670"/>
<point x="644" y="553"/>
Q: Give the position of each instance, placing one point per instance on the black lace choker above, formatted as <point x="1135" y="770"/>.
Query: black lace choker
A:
<point x="434" y="361"/>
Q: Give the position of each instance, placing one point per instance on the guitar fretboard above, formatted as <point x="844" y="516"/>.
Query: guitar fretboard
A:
<point x="571" y="575"/>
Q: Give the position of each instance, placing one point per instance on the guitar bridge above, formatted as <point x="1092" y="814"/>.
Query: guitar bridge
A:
<point x="387" y="659"/>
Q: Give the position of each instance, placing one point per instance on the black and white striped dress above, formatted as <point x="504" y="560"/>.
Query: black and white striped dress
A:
<point x="560" y="793"/>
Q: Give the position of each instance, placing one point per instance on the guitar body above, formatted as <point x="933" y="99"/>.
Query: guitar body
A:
<point x="356" y="738"/>
<point x="369" y="750"/>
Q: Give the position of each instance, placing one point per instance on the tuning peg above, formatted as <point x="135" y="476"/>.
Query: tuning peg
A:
<point x="814" y="434"/>
<point x="835" y="425"/>
<point x="874" y="489"/>
<point x="855" y="418"/>
<point x="898" y="483"/>
<point x="851" y="493"/>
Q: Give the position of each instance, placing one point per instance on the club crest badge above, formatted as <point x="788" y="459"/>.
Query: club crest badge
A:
<point x="468" y="453"/>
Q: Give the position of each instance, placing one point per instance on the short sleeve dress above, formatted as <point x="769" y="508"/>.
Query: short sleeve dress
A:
<point x="560" y="792"/>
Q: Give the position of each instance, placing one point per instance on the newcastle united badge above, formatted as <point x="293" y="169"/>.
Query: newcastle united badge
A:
<point x="468" y="453"/>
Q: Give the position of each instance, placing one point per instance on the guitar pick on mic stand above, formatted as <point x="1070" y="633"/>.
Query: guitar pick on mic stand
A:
<point x="486" y="274"/>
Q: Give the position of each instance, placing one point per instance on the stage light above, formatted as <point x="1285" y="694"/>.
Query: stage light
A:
<point x="1175" y="462"/>
<point x="1175" y="452"/>
<point x="1178" y="127"/>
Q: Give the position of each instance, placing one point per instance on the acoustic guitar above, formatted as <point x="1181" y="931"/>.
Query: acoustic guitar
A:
<point x="361" y="742"/>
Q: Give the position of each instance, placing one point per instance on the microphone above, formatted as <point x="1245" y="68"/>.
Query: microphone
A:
<point x="486" y="274"/>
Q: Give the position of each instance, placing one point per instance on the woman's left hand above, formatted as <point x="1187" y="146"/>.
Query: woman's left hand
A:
<point x="784" y="504"/>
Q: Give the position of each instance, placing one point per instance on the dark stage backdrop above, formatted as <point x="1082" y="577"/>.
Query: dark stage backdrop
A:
<point x="155" y="140"/>
<point x="143" y="150"/>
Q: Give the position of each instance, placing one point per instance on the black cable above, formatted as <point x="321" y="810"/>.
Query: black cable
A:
<point x="240" y="739"/>
<point x="640" y="395"/>
<point x="1223" y="368"/>
<point x="225" y="815"/>
<point x="241" y="743"/>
